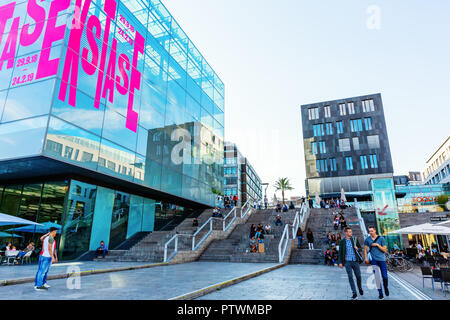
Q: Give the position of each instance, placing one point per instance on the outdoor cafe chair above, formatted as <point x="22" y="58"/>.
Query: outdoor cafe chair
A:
<point x="426" y="274"/>
<point x="437" y="277"/>
<point x="27" y="257"/>
<point x="445" y="274"/>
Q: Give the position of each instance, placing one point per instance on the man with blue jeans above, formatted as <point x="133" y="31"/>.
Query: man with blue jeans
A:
<point x="376" y="246"/>
<point x="350" y="258"/>
<point x="46" y="258"/>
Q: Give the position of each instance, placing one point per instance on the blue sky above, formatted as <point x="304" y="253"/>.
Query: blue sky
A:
<point x="274" y="56"/>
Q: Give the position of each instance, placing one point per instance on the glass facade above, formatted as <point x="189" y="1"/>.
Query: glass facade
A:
<point x="84" y="213"/>
<point x="121" y="105"/>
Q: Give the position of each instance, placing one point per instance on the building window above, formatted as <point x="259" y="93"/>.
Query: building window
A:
<point x="322" y="147"/>
<point x="351" y="108"/>
<point x="373" y="161"/>
<point x="356" y="125"/>
<point x="342" y="111"/>
<point x="318" y="130"/>
<point x="368" y="106"/>
<point x="333" y="164"/>
<point x="373" y="142"/>
<point x="313" y="113"/>
<point x="327" y="110"/>
<point x="329" y="128"/>
<point x="349" y="163"/>
<point x="321" y="166"/>
<point x="364" y="162"/>
<point x="314" y="147"/>
<point x="339" y="127"/>
<point x="355" y="143"/>
<point x="344" y="145"/>
<point x="368" y="123"/>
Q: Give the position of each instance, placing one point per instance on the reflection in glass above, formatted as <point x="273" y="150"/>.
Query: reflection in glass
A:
<point x="22" y="138"/>
<point x="72" y="144"/>
<point x="119" y="220"/>
<point x="78" y="219"/>
<point x="28" y="101"/>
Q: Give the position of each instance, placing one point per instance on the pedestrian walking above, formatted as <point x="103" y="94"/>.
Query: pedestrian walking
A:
<point x="266" y="202"/>
<point x="374" y="250"/>
<point x="46" y="258"/>
<point x="299" y="237"/>
<point x="350" y="258"/>
<point x="310" y="238"/>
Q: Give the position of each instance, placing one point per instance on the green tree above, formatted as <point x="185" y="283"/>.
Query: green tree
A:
<point x="442" y="200"/>
<point x="283" y="184"/>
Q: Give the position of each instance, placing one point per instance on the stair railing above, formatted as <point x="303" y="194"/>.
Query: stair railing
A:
<point x="303" y="213"/>
<point x="226" y="225"/>
<point x="196" y="245"/>
<point x="299" y="219"/>
<point x="295" y="224"/>
<point x="284" y="241"/>
<point x="247" y="209"/>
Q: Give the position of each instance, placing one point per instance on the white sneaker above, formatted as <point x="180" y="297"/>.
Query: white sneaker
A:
<point x="46" y="285"/>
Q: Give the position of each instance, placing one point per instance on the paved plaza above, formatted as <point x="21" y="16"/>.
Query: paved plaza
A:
<point x="291" y="282"/>
<point x="306" y="282"/>
<point x="29" y="270"/>
<point x="158" y="283"/>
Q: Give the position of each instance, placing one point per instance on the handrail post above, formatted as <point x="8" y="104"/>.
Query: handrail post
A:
<point x="193" y="243"/>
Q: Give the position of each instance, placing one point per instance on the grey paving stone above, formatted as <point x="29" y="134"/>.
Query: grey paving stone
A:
<point x="305" y="282"/>
<point x="156" y="283"/>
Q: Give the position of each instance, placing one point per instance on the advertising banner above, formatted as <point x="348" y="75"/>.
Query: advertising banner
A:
<point x="385" y="205"/>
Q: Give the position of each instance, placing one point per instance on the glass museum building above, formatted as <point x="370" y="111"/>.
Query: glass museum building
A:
<point x="111" y="122"/>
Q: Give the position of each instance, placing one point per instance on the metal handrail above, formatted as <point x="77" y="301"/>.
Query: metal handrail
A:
<point x="175" y="237"/>
<point x="225" y="226"/>
<point x="285" y="237"/>
<point x="295" y="224"/>
<point x="298" y="220"/>
<point x="247" y="210"/>
<point x="195" y="246"/>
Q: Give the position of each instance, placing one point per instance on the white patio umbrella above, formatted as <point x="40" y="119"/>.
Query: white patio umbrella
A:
<point x="343" y="198"/>
<point x="6" y="220"/>
<point x="445" y="223"/>
<point x="426" y="228"/>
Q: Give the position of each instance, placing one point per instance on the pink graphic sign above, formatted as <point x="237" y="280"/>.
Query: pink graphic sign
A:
<point x="116" y="72"/>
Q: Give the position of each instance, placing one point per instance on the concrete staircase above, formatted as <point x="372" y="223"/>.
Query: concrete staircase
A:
<point x="151" y="247"/>
<point x="321" y="222"/>
<point x="234" y="248"/>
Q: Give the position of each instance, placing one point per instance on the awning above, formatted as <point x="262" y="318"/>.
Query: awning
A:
<point x="426" y="228"/>
<point x="7" y="220"/>
<point x="42" y="228"/>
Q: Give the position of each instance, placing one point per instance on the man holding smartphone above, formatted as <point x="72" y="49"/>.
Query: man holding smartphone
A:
<point x="46" y="258"/>
<point x="376" y="246"/>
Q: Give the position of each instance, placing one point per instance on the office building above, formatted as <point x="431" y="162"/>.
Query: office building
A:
<point x="437" y="169"/>
<point x="241" y="178"/>
<point x="345" y="146"/>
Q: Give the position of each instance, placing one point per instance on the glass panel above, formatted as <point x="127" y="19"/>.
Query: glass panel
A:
<point x="22" y="138"/>
<point x="135" y="218"/>
<point x="28" y="101"/>
<point x="101" y="225"/>
<point x="72" y="144"/>
<point x="84" y="115"/>
<point x="148" y="218"/>
<point x="114" y="129"/>
<point x="119" y="220"/>
<point x="78" y="219"/>
<point x="52" y="206"/>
